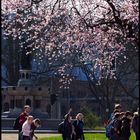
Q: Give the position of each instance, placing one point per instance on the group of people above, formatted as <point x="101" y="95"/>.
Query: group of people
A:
<point x="120" y="123"/>
<point x="118" y="127"/>
<point x="27" y="124"/>
<point x="72" y="130"/>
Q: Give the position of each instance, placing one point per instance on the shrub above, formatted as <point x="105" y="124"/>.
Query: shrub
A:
<point x="91" y="120"/>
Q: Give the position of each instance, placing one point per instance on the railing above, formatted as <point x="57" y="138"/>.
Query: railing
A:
<point x="52" y="131"/>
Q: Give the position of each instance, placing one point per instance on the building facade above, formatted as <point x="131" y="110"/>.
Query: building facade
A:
<point x="79" y="96"/>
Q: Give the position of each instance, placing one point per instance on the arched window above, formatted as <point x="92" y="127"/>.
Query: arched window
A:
<point x="27" y="76"/>
<point x="6" y="107"/>
<point x="39" y="88"/>
<point x="26" y="88"/>
<point x="28" y="102"/>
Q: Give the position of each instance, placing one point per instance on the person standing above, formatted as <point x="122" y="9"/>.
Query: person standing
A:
<point x="117" y="109"/>
<point x="67" y="127"/>
<point x="22" y="118"/>
<point x="26" y="128"/>
<point x="78" y="127"/>
<point x="109" y="125"/>
<point x="35" y="124"/>
<point x="135" y="124"/>
<point x="117" y="126"/>
<point x="126" y="124"/>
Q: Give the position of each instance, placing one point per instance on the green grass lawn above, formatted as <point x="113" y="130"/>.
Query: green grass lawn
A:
<point x="88" y="137"/>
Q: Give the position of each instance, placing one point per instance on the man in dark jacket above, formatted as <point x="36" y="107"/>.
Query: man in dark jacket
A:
<point x="125" y="129"/>
<point x="67" y="130"/>
<point x="117" y="126"/>
<point x="135" y="124"/>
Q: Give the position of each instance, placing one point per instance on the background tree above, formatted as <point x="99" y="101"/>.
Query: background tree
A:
<point x="71" y="33"/>
<point x="10" y="61"/>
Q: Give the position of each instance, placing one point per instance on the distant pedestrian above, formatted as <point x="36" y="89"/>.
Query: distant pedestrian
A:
<point x="78" y="127"/>
<point x="35" y="124"/>
<point x="135" y="124"/>
<point x="126" y="124"/>
<point x="22" y="118"/>
<point x="26" y="128"/>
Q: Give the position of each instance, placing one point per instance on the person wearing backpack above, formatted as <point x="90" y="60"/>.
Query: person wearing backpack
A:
<point x="117" y="108"/>
<point x="109" y="127"/>
<point x="78" y="127"/>
<point x="135" y="124"/>
<point x="22" y="118"/>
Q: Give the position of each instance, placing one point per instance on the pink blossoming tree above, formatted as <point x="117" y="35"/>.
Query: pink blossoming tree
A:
<point x="73" y="32"/>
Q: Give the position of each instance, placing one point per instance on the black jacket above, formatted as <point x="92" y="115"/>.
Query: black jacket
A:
<point x="78" y="127"/>
<point x="67" y="127"/>
<point x="117" y="127"/>
<point x="125" y="129"/>
<point x="135" y="124"/>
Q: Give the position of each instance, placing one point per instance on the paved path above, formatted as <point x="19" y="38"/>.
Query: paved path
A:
<point x="11" y="136"/>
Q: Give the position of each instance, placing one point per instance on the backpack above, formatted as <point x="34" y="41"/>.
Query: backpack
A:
<point x="17" y="125"/>
<point x="61" y="127"/>
<point x="109" y="129"/>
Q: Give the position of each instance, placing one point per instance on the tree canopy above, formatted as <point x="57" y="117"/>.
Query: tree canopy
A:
<point x="75" y="32"/>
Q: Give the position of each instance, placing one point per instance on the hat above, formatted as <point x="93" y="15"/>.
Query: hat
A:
<point x="118" y="106"/>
